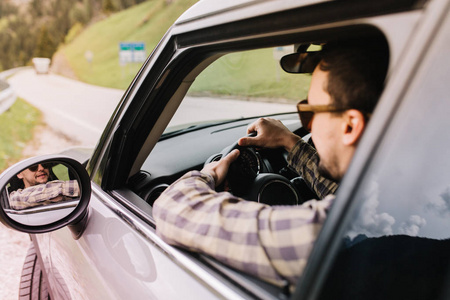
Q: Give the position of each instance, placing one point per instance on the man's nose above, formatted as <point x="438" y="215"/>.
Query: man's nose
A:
<point x="40" y="167"/>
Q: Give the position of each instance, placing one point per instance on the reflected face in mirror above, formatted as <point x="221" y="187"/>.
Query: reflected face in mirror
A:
<point x="41" y="194"/>
<point x="35" y="175"/>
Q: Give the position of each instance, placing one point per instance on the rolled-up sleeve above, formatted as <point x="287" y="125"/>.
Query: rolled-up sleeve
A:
<point x="270" y="242"/>
<point x="43" y="193"/>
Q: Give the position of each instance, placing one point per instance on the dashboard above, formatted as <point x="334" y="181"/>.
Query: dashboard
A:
<point x="174" y="156"/>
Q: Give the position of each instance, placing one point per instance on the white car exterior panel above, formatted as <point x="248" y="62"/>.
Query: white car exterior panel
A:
<point x="212" y="12"/>
<point x="113" y="261"/>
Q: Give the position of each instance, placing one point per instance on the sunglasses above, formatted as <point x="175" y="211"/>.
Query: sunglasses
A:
<point x="36" y="167"/>
<point x="306" y="112"/>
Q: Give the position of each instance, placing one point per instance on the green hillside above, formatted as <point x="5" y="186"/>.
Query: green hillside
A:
<point x="146" y="22"/>
<point x="258" y="77"/>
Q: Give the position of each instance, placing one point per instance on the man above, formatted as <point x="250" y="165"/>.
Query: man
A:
<point x="34" y="175"/>
<point x="38" y="191"/>
<point x="274" y="243"/>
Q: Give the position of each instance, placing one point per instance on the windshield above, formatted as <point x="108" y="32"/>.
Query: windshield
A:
<point x="241" y="85"/>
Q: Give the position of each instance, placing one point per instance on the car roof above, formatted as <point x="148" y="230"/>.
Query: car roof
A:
<point x="209" y="8"/>
<point x="215" y="12"/>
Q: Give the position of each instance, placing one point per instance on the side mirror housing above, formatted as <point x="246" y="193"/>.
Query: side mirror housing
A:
<point x="45" y="193"/>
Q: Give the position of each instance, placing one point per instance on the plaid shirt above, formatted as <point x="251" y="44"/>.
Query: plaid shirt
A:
<point x="270" y="242"/>
<point x="42" y="194"/>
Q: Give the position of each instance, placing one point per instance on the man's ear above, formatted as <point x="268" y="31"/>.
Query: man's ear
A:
<point x="353" y="127"/>
<point x="20" y="176"/>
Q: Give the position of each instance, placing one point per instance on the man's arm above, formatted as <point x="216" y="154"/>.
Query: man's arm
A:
<point x="272" y="243"/>
<point x="39" y="194"/>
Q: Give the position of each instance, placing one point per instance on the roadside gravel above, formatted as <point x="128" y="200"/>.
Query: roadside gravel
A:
<point x="14" y="245"/>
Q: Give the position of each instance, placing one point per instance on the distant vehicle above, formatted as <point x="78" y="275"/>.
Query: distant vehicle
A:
<point x="41" y="65"/>
<point x="387" y="234"/>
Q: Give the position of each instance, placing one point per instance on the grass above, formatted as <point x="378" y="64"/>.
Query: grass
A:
<point x="146" y="22"/>
<point x="252" y="74"/>
<point x="16" y="130"/>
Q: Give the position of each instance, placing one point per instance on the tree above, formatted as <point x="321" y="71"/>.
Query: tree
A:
<point x="37" y="8"/>
<point x="45" y="47"/>
<point x="7" y="8"/>
<point x="39" y="30"/>
<point x="127" y="3"/>
<point x="79" y="14"/>
<point x="108" y="6"/>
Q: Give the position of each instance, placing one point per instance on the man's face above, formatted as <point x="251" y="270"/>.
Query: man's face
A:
<point x="31" y="177"/>
<point x="325" y="128"/>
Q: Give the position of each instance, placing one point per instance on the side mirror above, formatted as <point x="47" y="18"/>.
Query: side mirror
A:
<point x="45" y="193"/>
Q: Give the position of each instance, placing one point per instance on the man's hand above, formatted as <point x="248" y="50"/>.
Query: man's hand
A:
<point x="219" y="169"/>
<point x="271" y="133"/>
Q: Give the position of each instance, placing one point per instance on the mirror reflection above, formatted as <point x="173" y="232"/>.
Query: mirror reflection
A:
<point x="41" y="194"/>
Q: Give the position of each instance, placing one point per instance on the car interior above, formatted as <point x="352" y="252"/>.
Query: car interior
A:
<point x="206" y="129"/>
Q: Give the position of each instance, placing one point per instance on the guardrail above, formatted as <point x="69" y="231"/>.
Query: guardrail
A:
<point x="3" y="85"/>
<point x="7" y="94"/>
<point x="8" y="73"/>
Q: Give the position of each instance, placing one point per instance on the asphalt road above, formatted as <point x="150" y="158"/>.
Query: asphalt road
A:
<point x="78" y="110"/>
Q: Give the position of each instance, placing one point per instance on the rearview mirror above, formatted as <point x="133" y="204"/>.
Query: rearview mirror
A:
<point x="44" y="193"/>
<point x="301" y="62"/>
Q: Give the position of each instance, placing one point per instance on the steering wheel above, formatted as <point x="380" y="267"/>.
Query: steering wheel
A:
<point x="249" y="178"/>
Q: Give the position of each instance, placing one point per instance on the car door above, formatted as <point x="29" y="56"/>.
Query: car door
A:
<point x="113" y="260"/>
<point x="388" y="235"/>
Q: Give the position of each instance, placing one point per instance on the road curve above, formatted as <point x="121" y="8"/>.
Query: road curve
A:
<point x="78" y="110"/>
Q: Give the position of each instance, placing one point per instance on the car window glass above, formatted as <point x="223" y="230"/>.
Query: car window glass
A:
<point x="229" y="88"/>
<point x="397" y="245"/>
